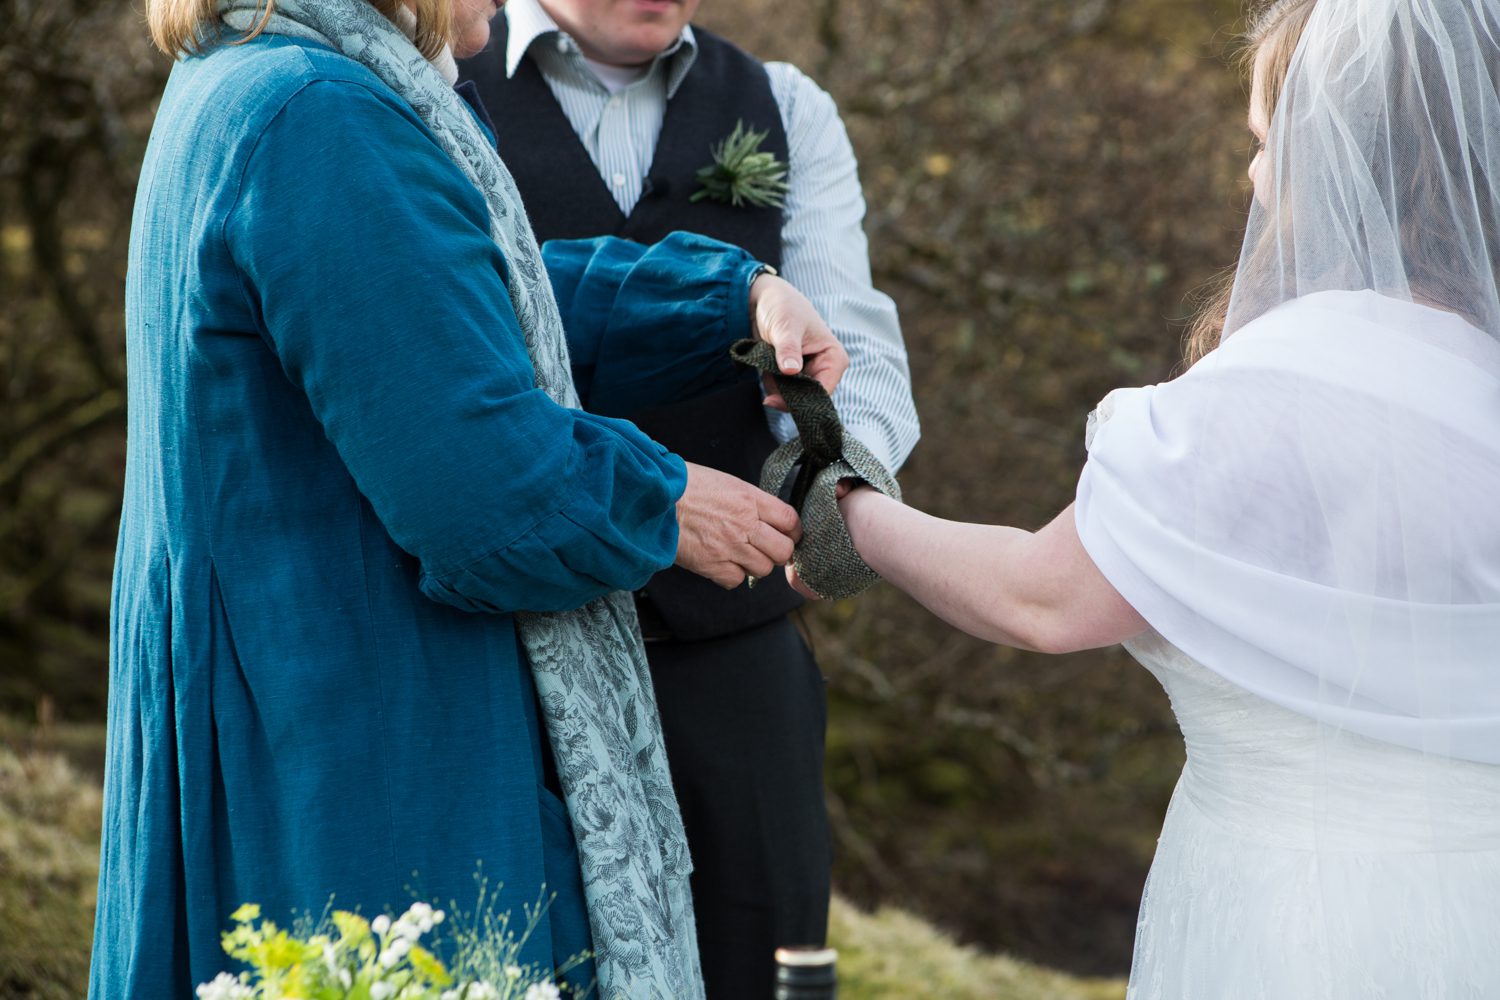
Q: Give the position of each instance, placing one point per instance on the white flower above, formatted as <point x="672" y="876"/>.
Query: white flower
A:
<point x="437" y="916"/>
<point x="224" y="987"/>
<point x="394" y="953"/>
<point x="381" y="924"/>
<point x="512" y="972"/>
<point x="449" y="995"/>
<point x="346" y="980"/>
<point x="419" y="919"/>
<point x="418" y="915"/>
<point x="481" y="990"/>
<point x="382" y="991"/>
<point x="542" y="991"/>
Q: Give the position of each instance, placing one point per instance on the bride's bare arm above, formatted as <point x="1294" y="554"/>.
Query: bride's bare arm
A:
<point x="1034" y="590"/>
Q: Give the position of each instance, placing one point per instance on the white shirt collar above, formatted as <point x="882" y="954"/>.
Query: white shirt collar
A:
<point x="529" y="23"/>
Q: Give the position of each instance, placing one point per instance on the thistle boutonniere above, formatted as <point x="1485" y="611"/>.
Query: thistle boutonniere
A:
<point x="742" y="173"/>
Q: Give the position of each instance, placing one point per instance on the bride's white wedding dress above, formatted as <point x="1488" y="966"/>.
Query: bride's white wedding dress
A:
<point x="1309" y="516"/>
<point x="1300" y="863"/>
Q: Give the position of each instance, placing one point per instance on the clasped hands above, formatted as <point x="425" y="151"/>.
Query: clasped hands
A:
<point x="730" y="530"/>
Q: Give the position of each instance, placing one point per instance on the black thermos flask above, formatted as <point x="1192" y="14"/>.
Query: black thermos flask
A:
<point x="806" y="974"/>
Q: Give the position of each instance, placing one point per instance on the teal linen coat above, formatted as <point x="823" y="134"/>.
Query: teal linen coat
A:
<point x="340" y="483"/>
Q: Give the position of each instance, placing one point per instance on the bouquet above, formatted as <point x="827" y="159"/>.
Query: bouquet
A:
<point x="346" y="957"/>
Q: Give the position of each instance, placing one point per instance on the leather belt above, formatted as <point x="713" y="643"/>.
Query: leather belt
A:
<point x="654" y="627"/>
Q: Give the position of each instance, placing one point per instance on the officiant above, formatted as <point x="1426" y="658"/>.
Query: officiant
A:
<point x="368" y="635"/>
<point x="606" y="112"/>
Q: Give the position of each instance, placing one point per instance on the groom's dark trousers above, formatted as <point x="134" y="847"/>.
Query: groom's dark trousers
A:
<point x="743" y="703"/>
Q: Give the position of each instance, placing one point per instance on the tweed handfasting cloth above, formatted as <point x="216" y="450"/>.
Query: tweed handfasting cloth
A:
<point x="823" y="454"/>
<point x="589" y="665"/>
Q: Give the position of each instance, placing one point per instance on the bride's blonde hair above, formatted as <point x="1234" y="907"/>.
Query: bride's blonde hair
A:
<point x="1274" y="31"/>
<point x="180" y="27"/>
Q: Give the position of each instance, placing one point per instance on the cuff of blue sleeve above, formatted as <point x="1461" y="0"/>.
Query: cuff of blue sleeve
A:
<point x="739" y="297"/>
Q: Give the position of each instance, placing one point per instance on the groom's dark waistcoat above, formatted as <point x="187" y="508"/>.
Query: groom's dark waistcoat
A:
<point x="566" y="198"/>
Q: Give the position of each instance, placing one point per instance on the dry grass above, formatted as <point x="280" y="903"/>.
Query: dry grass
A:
<point x="894" y="955"/>
<point x="49" y="866"/>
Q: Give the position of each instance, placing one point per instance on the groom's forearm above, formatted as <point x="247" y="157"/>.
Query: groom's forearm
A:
<point x="1033" y="590"/>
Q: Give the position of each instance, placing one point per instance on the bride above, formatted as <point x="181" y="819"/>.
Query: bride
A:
<point x="1300" y="537"/>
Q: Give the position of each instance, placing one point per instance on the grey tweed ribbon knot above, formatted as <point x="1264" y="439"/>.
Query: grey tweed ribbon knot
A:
<point x="825" y="559"/>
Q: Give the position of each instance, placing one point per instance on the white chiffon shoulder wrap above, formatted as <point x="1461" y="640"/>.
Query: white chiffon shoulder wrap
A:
<point x="1313" y="513"/>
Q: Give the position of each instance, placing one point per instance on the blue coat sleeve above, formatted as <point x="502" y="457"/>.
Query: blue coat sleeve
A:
<point x="366" y="259"/>
<point x="650" y="325"/>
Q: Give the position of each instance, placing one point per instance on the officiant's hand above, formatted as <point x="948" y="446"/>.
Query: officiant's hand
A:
<point x="782" y="317"/>
<point x="728" y="530"/>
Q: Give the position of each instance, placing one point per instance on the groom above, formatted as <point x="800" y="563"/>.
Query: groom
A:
<point x="605" y="111"/>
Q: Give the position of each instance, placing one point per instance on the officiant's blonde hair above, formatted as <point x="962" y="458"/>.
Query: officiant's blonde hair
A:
<point x="1274" y="31"/>
<point x="180" y="27"/>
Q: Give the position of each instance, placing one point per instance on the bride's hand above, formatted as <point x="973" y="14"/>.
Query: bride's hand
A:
<point x="844" y="488"/>
<point x="795" y="582"/>
<point x="782" y="317"/>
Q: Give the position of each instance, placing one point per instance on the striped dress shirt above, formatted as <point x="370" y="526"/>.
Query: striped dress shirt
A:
<point x="824" y="251"/>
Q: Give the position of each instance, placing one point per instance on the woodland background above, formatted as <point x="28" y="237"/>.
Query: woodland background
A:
<point x="1048" y="183"/>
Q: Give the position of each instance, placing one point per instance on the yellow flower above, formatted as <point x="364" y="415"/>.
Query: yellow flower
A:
<point x="427" y="964"/>
<point x="352" y="927"/>
<point x="246" y="913"/>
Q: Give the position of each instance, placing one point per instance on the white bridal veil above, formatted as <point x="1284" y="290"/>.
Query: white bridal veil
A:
<point x="1313" y="510"/>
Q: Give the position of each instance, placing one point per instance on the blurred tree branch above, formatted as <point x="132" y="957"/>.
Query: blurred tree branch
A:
<point x="77" y="85"/>
<point x="46" y="441"/>
<point x="1017" y="36"/>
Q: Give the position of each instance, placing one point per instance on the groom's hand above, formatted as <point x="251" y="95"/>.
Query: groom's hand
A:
<point x="782" y="317"/>
<point x="728" y="530"/>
